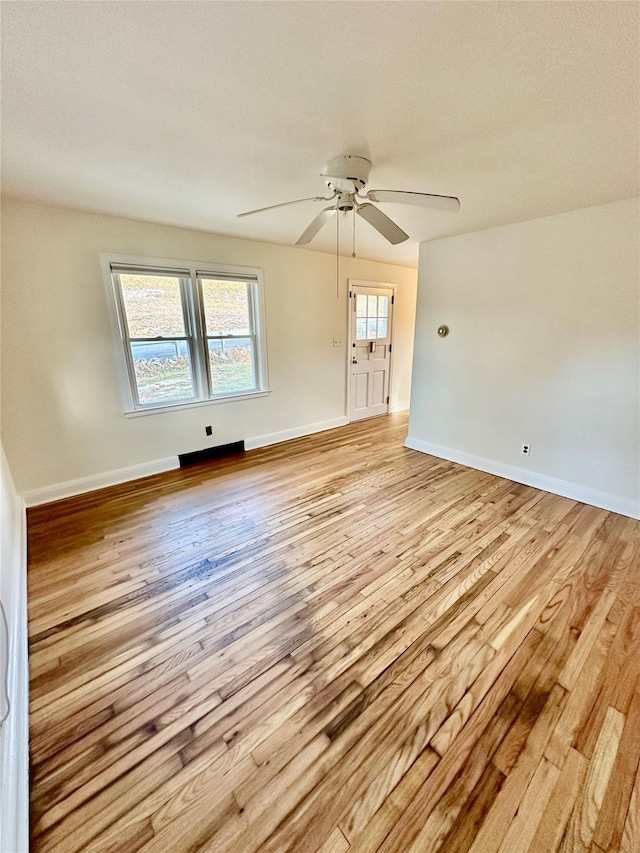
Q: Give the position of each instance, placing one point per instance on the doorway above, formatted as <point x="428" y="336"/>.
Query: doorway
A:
<point x="370" y="348"/>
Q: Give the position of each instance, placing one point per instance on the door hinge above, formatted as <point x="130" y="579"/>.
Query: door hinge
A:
<point x="387" y="401"/>
<point x="393" y="299"/>
<point x="390" y="347"/>
<point x="350" y="294"/>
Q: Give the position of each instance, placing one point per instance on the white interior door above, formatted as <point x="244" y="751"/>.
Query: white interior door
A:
<point x="370" y="347"/>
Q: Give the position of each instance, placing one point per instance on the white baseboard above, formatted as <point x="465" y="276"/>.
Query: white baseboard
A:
<point x="14" y="734"/>
<point x="99" y="481"/>
<point x="574" y="491"/>
<point x="296" y="432"/>
<point x="399" y="407"/>
<point x="47" y="494"/>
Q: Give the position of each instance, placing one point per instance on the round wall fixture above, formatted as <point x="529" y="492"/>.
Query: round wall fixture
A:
<point x="443" y="331"/>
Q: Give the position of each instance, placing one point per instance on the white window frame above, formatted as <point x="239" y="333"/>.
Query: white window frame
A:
<point x="195" y="331"/>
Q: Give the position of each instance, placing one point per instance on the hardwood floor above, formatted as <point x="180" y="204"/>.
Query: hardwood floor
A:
<point x="334" y="644"/>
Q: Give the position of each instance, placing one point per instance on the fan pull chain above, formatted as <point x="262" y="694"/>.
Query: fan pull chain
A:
<point x="337" y="254"/>
<point x="353" y="252"/>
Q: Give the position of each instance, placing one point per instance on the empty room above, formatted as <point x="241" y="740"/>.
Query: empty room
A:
<point x="320" y="415"/>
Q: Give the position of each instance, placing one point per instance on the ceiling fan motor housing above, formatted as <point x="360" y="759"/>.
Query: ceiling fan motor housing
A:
<point x="347" y="174"/>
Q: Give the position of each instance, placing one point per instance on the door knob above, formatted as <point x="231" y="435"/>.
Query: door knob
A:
<point x="354" y="361"/>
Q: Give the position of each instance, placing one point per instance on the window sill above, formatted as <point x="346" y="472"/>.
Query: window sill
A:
<point x="177" y="407"/>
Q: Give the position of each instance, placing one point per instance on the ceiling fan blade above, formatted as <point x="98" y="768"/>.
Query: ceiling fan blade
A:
<point x="311" y="230"/>
<point x="381" y="222"/>
<point x="442" y="202"/>
<point x="284" y="204"/>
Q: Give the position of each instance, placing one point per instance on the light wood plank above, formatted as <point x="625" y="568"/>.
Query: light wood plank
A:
<point x="333" y="644"/>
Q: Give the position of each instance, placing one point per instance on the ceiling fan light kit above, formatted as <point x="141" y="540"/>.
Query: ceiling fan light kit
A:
<point x="346" y="176"/>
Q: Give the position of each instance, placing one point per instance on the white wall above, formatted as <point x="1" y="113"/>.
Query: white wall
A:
<point x="543" y="349"/>
<point x="14" y="755"/>
<point x="61" y="410"/>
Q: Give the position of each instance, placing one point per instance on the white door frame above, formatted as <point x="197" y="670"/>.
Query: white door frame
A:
<point x="358" y="282"/>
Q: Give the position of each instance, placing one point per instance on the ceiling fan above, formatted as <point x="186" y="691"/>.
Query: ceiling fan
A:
<point x="346" y="177"/>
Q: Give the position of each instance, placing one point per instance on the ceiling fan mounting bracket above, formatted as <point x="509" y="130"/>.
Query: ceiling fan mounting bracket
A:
<point x="347" y="174"/>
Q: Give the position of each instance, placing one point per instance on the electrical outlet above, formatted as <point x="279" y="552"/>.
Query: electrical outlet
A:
<point x="337" y="342"/>
<point x="208" y="430"/>
<point x="526" y="449"/>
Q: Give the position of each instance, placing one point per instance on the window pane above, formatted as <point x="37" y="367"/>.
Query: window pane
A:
<point x="226" y="307"/>
<point x="382" y="328"/>
<point x="232" y="364"/>
<point x="153" y="306"/>
<point x="163" y="371"/>
<point x="372" y="308"/>
<point x="383" y="306"/>
<point x="361" y="305"/>
<point x="372" y="328"/>
<point x="361" y="330"/>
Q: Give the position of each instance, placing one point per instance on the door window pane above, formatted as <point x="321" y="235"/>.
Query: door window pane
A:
<point x="232" y="365"/>
<point x="153" y="305"/>
<point x="372" y="320"/>
<point x="226" y="307"/>
<point x="162" y="370"/>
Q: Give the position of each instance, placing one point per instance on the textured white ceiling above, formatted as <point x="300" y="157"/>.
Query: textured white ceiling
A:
<point x="188" y="113"/>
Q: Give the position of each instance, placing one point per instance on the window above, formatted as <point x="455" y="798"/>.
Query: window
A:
<point x="371" y="317"/>
<point x="188" y="333"/>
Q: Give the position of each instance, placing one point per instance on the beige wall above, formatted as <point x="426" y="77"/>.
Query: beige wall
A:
<point x="61" y="409"/>
<point x="543" y="349"/>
